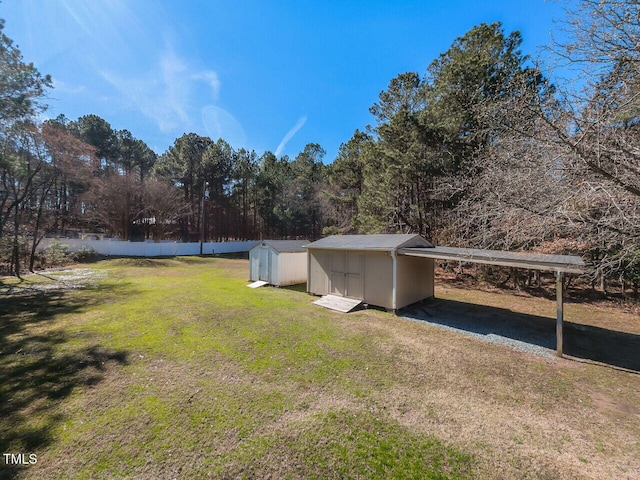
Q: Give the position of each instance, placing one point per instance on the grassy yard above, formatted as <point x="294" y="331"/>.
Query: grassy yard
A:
<point x="172" y="368"/>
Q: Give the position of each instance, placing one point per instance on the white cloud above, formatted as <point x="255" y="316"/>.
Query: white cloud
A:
<point x="210" y="78"/>
<point x="219" y="123"/>
<point x="283" y="143"/>
<point x="176" y="93"/>
<point x="60" y="86"/>
<point x="148" y="96"/>
<point x="111" y="25"/>
<point x="175" y="88"/>
<point x="167" y="95"/>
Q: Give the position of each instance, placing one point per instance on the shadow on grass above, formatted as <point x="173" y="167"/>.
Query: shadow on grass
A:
<point x="231" y="255"/>
<point x="41" y="365"/>
<point x="532" y="332"/>
<point x="299" y="287"/>
<point x="155" y="262"/>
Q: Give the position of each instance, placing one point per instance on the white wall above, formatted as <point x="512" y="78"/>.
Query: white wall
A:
<point x="149" y="249"/>
<point x="292" y="268"/>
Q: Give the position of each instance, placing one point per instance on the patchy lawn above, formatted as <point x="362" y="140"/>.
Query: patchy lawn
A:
<point x="172" y="368"/>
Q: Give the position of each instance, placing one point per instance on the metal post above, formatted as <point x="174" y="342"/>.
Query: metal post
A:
<point x="202" y="215"/>
<point x="394" y="292"/>
<point x="201" y="222"/>
<point x="560" y="313"/>
<point x="308" y="271"/>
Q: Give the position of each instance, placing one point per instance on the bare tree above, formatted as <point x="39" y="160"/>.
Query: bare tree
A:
<point x="164" y="207"/>
<point x="563" y="172"/>
<point x="599" y="135"/>
<point x="115" y="202"/>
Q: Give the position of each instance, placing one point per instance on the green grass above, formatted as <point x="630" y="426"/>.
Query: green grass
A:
<point x="344" y="444"/>
<point x="173" y="368"/>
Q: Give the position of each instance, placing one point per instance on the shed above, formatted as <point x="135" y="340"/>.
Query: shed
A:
<point x="368" y="268"/>
<point x="279" y="262"/>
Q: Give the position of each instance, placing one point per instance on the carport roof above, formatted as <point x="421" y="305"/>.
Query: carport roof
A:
<point x="385" y="242"/>
<point x="535" y="261"/>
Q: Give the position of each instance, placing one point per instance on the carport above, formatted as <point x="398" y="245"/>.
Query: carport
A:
<point x="560" y="264"/>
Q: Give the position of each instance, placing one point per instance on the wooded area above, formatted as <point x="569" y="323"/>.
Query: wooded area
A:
<point x="483" y="150"/>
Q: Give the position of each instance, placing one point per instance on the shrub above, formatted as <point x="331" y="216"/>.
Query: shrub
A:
<point x="85" y="255"/>
<point x="56" y="255"/>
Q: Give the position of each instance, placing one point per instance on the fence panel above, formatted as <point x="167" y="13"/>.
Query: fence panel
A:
<point x="118" y="248"/>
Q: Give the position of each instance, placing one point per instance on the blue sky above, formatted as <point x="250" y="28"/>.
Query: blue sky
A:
<point x="263" y="75"/>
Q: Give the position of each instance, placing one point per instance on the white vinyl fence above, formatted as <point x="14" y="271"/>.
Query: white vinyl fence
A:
<point x="119" y="248"/>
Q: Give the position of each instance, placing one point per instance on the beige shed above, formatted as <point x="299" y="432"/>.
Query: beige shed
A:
<point x="279" y="262"/>
<point x="368" y="268"/>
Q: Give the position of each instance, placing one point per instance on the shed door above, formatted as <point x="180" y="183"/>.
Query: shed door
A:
<point x="354" y="275"/>
<point x="345" y="278"/>
<point x="337" y="274"/>
<point x="264" y="264"/>
<point x="254" y="259"/>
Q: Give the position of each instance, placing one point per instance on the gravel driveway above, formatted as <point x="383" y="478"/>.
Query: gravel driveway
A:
<point x="531" y="333"/>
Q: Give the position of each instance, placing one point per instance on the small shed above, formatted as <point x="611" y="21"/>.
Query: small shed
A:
<point x="368" y="268"/>
<point x="278" y="262"/>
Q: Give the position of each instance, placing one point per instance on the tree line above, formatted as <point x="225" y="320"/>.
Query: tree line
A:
<point x="66" y="178"/>
<point x="483" y="149"/>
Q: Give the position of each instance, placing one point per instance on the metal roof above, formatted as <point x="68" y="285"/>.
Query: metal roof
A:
<point x="536" y="261"/>
<point x="385" y="242"/>
<point x="285" y="246"/>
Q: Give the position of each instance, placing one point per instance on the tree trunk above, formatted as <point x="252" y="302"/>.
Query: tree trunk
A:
<point x="603" y="283"/>
<point x="15" y="251"/>
<point x="36" y="232"/>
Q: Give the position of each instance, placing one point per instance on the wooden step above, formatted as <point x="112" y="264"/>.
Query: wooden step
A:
<point x="340" y="304"/>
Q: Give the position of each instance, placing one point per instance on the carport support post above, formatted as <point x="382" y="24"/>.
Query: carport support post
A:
<point x="560" y="314"/>
<point x="394" y="287"/>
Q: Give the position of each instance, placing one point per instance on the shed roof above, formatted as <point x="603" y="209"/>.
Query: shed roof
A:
<point x="536" y="261"/>
<point x="384" y="242"/>
<point x="285" y="246"/>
